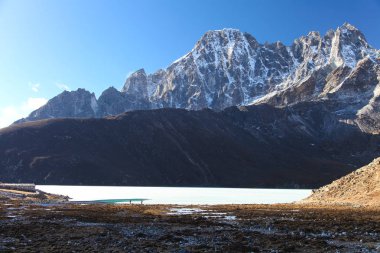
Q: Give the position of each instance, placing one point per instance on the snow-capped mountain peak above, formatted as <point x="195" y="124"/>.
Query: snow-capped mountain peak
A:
<point x="228" y="67"/>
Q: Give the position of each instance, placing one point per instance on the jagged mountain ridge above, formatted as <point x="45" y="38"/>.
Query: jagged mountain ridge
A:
<point x="227" y="68"/>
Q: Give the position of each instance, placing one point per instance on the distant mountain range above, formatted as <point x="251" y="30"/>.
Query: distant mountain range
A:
<point x="232" y="112"/>
<point x="230" y="68"/>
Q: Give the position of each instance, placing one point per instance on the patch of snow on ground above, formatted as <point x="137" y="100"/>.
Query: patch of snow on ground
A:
<point x="184" y="211"/>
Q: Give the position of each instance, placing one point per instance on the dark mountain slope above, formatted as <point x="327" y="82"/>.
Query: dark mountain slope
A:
<point x="256" y="146"/>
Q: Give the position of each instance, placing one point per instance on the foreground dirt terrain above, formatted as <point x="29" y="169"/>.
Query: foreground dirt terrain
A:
<point x="149" y="228"/>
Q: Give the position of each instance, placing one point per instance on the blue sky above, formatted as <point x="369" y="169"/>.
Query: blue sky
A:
<point x="50" y="45"/>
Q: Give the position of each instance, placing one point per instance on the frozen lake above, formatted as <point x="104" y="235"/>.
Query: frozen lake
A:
<point x="179" y="195"/>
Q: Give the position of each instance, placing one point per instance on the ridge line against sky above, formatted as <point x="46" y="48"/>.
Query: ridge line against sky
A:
<point x="49" y="46"/>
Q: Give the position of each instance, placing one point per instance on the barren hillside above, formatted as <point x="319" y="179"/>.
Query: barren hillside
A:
<point x="361" y="187"/>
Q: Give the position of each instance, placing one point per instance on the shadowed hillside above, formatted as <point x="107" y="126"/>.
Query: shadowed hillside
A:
<point x="256" y="146"/>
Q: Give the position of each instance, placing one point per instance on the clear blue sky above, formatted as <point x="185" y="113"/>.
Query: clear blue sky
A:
<point x="46" y="45"/>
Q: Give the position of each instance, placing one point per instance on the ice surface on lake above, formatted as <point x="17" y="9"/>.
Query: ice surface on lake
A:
<point x="179" y="195"/>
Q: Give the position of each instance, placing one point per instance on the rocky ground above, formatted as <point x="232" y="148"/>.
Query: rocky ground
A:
<point x="25" y="197"/>
<point x="359" y="188"/>
<point x="65" y="227"/>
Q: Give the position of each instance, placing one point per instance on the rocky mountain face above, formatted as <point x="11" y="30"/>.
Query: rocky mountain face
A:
<point x="302" y="145"/>
<point x="228" y="68"/>
<point x="78" y="104"/>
